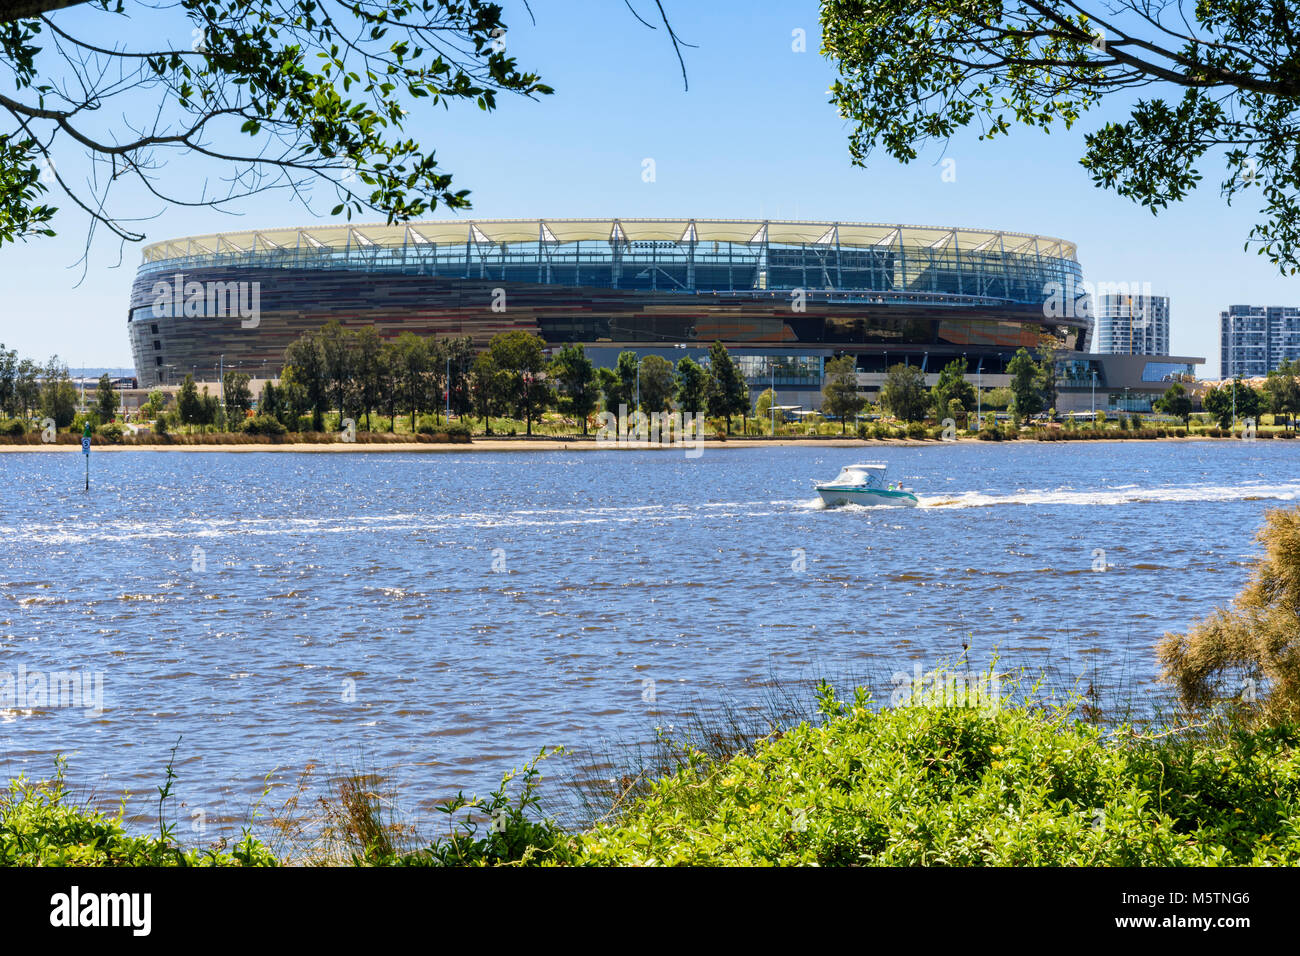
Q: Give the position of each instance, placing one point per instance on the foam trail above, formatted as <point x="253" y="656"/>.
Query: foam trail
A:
<point x="1127" y="494"/>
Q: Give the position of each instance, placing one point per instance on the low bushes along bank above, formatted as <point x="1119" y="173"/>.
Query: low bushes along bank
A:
<point x="916" y="785"/>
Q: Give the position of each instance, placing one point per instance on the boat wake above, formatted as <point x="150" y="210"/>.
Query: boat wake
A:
<point x="817" y="504"/>
<point x="1128" y="494"/>
<point x="438" y="522"/>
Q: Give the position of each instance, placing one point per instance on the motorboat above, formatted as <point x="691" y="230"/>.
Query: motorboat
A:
<point x="865" y="484"/>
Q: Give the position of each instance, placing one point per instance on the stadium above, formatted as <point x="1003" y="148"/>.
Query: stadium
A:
<point x="783" y="296"/>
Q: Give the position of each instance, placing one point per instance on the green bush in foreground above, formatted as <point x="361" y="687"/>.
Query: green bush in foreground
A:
<point x="951" y="786"/>
<point x="914" y="785"/>
<point x="40" y="826"/>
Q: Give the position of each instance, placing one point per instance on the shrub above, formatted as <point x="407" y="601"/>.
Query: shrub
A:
<point x="934" y="785"/>
<point x="14" y="427"/>
<point x="262" y="425"/>
<point x="457" y="430"/>
<point x="915" y="430"/>
<point x="510" y="838"/>
<point x="111" y="433"/>
<point x="41" y="826"/>
<point x="1246" y="656"/>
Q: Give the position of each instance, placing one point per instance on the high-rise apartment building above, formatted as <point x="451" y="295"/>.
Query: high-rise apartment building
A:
<point x="1255" y="339"/>
<point x="1131" y="324"/>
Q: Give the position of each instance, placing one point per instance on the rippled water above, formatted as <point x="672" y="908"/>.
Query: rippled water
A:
<point x="482" y="605"/>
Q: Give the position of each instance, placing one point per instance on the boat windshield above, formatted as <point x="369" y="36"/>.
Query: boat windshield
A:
<point x="870" y="476"/>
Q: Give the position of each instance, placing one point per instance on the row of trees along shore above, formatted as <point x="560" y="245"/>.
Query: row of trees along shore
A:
<point x="1033" y="390"/>
<point x="343" y="373"/>
<point x="31" y="392"/>
<point x="354" y="373"/>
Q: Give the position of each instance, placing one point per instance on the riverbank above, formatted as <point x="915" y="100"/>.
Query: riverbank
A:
<point x="935" y="782"/>
<point x="566" y="444"/>
<point x="479" y="444"/>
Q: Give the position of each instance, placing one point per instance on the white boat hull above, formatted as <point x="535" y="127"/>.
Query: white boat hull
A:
<point x="867" y="496"/>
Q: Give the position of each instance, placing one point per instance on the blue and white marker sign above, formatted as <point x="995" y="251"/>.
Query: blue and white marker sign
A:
<point x="85" y="450"/>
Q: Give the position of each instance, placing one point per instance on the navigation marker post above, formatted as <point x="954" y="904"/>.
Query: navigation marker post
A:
<point x="85" y="450"/>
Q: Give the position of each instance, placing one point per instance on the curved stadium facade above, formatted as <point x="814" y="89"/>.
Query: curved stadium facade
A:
<point x="783" y="296"/>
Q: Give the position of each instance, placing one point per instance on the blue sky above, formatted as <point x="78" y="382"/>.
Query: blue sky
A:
<point x="754" y="137"/>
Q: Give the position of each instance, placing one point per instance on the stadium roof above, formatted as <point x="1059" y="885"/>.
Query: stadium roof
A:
<point x="494" y="232"/>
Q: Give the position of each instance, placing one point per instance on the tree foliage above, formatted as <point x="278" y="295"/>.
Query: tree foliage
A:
<point x="1175" y="402"/>
<point x="106" y="399"/>
<point x="903" y="393"/>
<point x="692" y="385"/>
<point x="58" y="396"/>
<point x="841" y="398"/>
<point x="189" y="407"/>
<point x="618" y="385"/>
<point x="236" y="395"/>
<point x="1282" y="390"/>
<point x="1232" y="403"/>
<point x="1026" y="385"/>
<point x="576" y="386"/>
<point x="657" y="384"/>
<point x="1249" y="654"/>
<point x="521" y="364"/>
<point x="728" y="391"/>
<point x="260" y="93"/>
<point x="308" y="376"/>
<point x="952" y="387"/>
<point x="1216" y="78"/>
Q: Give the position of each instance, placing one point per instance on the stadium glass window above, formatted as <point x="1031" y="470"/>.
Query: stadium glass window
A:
<point x="1163" y="371"/>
